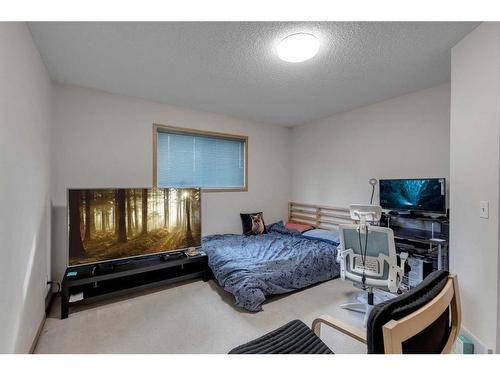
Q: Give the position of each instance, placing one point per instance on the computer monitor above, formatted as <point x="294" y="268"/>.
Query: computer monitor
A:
<point x="416" y="194"/>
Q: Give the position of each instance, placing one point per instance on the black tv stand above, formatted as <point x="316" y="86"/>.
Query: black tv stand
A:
<point x="102" y="267"/>
<point x="171" y="256"/>
<point x="91" y="283"/>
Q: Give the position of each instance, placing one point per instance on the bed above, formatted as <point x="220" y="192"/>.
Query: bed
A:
<point x="254" y="267"/>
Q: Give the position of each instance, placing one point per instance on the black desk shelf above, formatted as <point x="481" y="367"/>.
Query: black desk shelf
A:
<point x="421" y="242"/>
<point x="98" y="282"/>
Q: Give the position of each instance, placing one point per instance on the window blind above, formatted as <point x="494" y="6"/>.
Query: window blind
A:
<point x="190" y="160"/>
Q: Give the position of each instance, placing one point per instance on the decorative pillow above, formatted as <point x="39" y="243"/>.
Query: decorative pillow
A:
<point x="329" y="236"/>
<point x="298" y="227"/>
<point x="253" y="223"/>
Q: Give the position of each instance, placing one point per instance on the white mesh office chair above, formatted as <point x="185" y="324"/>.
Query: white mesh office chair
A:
<point x="367" y="257"/>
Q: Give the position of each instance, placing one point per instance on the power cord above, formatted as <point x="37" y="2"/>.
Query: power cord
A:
<point x="373" y="192"/>
<point x="363" y="253"/>
<point x="51" y="283"/>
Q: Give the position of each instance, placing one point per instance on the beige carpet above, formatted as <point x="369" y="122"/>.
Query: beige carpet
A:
<point x="192" y="317"/>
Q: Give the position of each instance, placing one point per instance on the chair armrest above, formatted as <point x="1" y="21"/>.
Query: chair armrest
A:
<point x="345" y="328"/>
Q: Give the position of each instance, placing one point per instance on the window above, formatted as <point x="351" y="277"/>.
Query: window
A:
<point x="192" y="158"/>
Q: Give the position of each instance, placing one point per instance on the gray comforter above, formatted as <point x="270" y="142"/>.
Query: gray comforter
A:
<point x="253" y="267"/>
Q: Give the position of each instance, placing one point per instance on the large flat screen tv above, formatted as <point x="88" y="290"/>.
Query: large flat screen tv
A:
<point x="418" y="194"/>
<point x="112" y="224"/>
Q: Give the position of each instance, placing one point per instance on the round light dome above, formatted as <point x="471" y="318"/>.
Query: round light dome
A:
<point x="298" y="47"/>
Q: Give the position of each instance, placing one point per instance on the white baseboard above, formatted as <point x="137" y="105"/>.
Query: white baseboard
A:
<point x="47" y="301"/>
<point x="37" y="336"/>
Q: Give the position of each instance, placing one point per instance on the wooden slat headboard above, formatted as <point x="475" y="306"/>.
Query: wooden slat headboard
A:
<point x="323" y="217"/>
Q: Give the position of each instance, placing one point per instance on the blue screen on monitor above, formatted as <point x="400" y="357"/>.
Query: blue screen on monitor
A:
<point x="427" y="195"/>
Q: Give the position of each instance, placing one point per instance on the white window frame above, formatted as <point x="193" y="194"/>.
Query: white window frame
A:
<point x="158" y="128"/>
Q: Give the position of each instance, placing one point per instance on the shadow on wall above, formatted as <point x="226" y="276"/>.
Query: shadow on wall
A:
<point x="59" y="250"/>
<point x="34" y="288"/>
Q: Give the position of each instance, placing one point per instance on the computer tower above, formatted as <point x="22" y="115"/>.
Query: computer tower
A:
<point x="420" y="268"/>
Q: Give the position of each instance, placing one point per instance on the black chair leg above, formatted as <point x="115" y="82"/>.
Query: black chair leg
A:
<point x="370" y="298"/>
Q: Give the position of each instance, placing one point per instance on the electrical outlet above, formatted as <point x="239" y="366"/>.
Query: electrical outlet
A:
<point x="484" y="210"/>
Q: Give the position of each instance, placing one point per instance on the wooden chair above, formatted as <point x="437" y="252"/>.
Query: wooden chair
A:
<point x="425" y="320"/>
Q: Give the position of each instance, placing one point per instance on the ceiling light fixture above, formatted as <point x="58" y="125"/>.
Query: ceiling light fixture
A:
<point x="298" y="47"/>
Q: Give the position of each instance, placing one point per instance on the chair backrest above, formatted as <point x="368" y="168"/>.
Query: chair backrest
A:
<point x="380" y="251"/>
<point x="426" y="320"/>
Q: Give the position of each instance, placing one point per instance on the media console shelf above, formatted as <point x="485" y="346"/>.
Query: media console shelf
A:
<point x="91" y="283"/>
<point x="423" y="242"/>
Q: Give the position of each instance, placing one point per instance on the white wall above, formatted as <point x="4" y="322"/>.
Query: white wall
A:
<point x="475" y="123"/>
<point x="104" y="140"/>
<point x="408" y="136"/>
<point x="25" y="94"/>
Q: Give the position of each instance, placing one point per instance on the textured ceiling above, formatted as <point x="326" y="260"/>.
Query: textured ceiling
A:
<point x="232" y="67"/>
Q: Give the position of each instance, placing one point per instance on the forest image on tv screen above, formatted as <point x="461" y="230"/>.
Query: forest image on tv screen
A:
<point x="418" y="195"/>
<point x="108" y="224"/>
